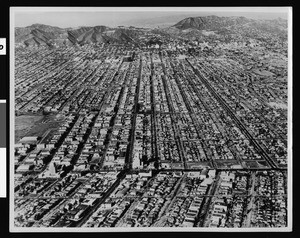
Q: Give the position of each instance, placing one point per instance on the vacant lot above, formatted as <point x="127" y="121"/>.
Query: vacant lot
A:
<point x="278" y="105"/>
<point x="31" y="125"/>
<point x="263" y="72"/>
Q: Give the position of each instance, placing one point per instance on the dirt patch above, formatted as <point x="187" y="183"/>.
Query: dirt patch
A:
<point x="264" y="73"/>
<point x="23" y="124"/>
<point x="278" y="105"/>
<point x="38" y="125"/>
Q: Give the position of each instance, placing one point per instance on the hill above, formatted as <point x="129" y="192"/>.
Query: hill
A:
<point x="38" y="34"/>
<point x="227" y="25"/>
<point x="191" y="28"/>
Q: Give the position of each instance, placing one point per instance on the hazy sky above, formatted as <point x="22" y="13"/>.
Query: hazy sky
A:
<point x="74" y="17"/>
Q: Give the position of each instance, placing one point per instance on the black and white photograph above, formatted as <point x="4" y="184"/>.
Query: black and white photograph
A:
<point x="150" y="119"/>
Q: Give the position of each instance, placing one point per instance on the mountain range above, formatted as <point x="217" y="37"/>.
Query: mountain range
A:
<point x="39" y="34"/>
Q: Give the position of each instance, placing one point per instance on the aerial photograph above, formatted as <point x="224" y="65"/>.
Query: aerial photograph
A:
<point x="150" y="119"/>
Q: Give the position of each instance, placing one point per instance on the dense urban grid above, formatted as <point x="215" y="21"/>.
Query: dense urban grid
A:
<point x="171" y="133"/>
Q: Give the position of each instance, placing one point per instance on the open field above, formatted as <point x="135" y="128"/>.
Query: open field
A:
<point x="26" y="125"/>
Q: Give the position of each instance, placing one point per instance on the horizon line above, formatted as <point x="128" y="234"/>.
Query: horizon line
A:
<point x="130" y="25"/>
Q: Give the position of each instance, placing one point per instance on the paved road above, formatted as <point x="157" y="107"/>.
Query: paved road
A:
<point x="252" y="193"/>
<point x="102" y="200"/>
<point x="174" y="124"/>
<point x="232" y="115"/>
<point x="133" y="125"/>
